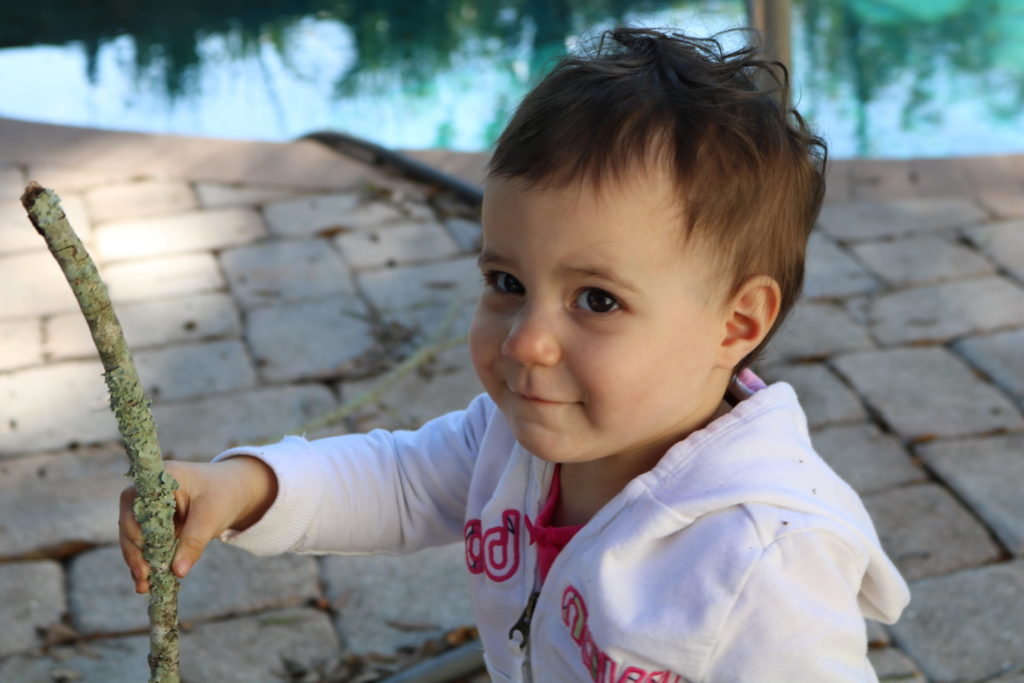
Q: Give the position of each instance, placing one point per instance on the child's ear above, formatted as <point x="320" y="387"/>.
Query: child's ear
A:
<point x="749" y="315"/>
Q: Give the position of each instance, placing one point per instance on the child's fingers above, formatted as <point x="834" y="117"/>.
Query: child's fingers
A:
<point x="130" y="538"/>
<point x="199" y="527"/>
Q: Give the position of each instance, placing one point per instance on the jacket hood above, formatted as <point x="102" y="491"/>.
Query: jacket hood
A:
<point x="761" y="453"/>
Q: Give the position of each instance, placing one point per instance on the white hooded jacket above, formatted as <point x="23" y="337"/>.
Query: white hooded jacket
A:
<point x="741" y="556"/>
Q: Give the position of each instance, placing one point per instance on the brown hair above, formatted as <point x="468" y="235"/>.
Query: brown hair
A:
<point x="749" y="170"/>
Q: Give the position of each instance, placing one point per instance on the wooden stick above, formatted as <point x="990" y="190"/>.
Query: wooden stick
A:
<point x="154" y="507"/>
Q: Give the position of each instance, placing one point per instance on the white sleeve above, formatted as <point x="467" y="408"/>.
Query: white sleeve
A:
<point x="796" y="618"/>
<point x="377" y="492"/>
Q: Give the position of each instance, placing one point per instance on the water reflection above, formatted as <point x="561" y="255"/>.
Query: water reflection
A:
<point x="854" y="58"/>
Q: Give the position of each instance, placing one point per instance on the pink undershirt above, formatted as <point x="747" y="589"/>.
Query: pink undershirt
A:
<point x="549" y="539"/>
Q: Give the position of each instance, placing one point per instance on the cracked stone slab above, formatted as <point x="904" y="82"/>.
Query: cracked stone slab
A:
<point x="220" y="196"/>
<point x="892" y="664"/>
<point x="254" y="648"/>
<point x="393" y="245"/>
<point x="315" y="339"/>
<point x="33" y="285"/>
<point x="926" y="531"/>
<point x="192" y="370"/>
<point x="18" y="235"/>
<point x="163" y="277"/>
<point x="1004" y="244"/>
<point x="380" y="597"/>
<point x="54" y="406"/>
<point x="927" y="392"/>
<point x="21" y="343"/>
<point x="12" y="183"/>
<point x="147" y="323"/>
<point x="946" y="311"/>
<point x="449" y="383"/>
<point x="279" y="272"/>
<point x="966" y="626"/>
<point x="325" y="214"/>
<point x="831" y="272"/>
<point x="198" y="430"/>
<point x="1000" y="356"/>
<point x="53" y="504"/>
<point x="920" y="260"/>
<point x="407" y="287"/>
<point x="860" y="221"/>
<point x="823" y="396"/>
<point x="139" y="199"/>
<point x="225" y="581"/>
<point x="865" y="457"/>
<point x="31" y="597"/>
<point x="466" y="233"/>
<point x="111" y="660"/>
<point x="816" y="330"/>
<point x="986" y="473"/>
<point x="178" y="233"/>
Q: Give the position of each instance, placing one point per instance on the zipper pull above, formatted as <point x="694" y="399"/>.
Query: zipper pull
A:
<point x="523" y="625"/>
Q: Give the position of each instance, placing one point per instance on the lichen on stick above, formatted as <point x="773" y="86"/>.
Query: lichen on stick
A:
<point x="154" y="506"/>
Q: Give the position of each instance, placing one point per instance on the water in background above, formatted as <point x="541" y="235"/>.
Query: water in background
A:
<point x="880" y="78"/>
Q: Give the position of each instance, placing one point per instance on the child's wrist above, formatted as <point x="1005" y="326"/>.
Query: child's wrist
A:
<point x="257" y="490"/>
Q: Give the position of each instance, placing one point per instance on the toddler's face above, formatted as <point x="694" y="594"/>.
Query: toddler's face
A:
<point x="598" y="332"/>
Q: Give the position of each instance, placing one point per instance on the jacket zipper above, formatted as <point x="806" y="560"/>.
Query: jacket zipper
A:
<point x="523" y="624"/>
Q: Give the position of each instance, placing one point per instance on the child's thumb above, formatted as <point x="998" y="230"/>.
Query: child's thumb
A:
<point x="192" y="540"/>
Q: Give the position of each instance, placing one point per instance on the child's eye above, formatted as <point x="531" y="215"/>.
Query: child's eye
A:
<point x="596" y="301"/>
<point x="503" y="282"/>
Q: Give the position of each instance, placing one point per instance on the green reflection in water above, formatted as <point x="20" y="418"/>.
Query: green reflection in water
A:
<point x="860" y="46"/>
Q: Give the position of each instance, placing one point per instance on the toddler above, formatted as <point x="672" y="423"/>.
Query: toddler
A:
<point x="635" y="504"/>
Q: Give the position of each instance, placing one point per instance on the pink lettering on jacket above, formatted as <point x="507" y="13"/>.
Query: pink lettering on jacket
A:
<point x="496" y="550"/>
<point x="602" y="668"/>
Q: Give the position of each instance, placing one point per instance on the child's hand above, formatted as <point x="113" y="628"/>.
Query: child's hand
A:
<point x="211" y="498"/>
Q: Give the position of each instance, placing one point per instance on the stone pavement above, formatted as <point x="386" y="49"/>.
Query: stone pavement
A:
<point x="261" y="284"/>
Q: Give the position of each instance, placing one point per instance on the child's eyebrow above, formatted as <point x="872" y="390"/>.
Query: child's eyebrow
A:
<point x="603" y="274"/>
<point x="488" y="258"/>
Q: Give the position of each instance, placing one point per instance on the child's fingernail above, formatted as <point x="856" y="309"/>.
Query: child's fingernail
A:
<point x="181" y="568"/>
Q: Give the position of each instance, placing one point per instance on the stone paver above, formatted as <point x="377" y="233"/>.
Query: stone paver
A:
<point x="315" y="339"/>
<point x="57" y="503"/>
<point x="219" y="196"/>
<point x="832" y="272"/>
<point x="32" y="285"/>
<point x="163" y="277"/>
<point x="52" y="406"/>
<point x="12" y="183"/>
<point x="183" y="232"/>
<point x="225" y="581"/>
<point x="1004" y="244"/>
<point x="816" y="330"/>
<point x="194" y="370"/>
<point x="112" y="660"/>
<point x="377" y="597"/>
<point x="865" y="457"/>
<point x="31" y="597"/>
<point x="966" y="626"/>
<point x="824" y="398"/>
<point x="891" y="664"/>
<point x="465" y="232"/>
<point x="946" y="311"/>
<point x="396" y="244"/>
<point x="21" y="344"/>
<point x="394" y="289"/>
<point x="254" y="648"/>
<point x="146" y="324"/>
<point x="927" y="532"/>
<point x="139" y="199"/>
<point x="987" y="474"/>
<point x="283" y="272"/>
<point x="861" y="221"/>
<point x="198" y="430"/>
<point x="1000" y="356"/>
<point x="920" y="260"/>
<point x="326" y="214"/>
<point x="927" y="392"/>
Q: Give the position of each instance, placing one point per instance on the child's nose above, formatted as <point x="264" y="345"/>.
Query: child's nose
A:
<point x="532" y="341"/>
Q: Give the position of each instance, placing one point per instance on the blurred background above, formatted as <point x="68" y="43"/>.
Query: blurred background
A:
<point x="878" y="78"/>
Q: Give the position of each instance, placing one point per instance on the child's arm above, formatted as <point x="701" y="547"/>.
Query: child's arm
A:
<point x="212" y="498"/>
